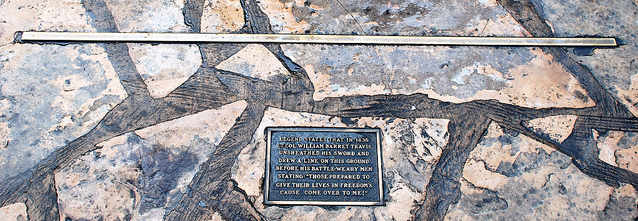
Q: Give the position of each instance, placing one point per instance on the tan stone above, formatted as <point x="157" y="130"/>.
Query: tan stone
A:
<point x="547" y="187"/>
<point x="476" y="174"/>
<point x="493" y="152"/>
<point x="630" y="96"/>
<point x="209" y="124"/>
<point x="13" y="212"/>
<point x="110" y="198"/>
<point x="557" y="127"/>
<point x="503" y="25"/>
<point x="628" y="191"/>
<point x="544" y="83"/>
<point x="403" y="200"/>
<point x="525" y="77"/>
<point x="221" y="16"/>
<point x="618" y="149"/>
<point x="255" y="61"/>
<point x="607" y="146"/>
<point x="165" y="67"/>
<point x="281" y="16"/>
<point x="628" y="158"/>
<point x="216" y="217"/>
<point x="4" y="126"/>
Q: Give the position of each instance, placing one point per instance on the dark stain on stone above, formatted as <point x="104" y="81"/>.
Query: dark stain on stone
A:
<point x="443" y="189"/>
<point x="406" y="136"/>
<point x="562" y="189"/>
<point x="581" y="96"/>
<point x="619" y="208"/>
<point x="525" y="161"/>
<point x="510" y="132"/>
<point x="583" y="51"/>
<point x="628" y="140"/>
<point x="349" y="121"/>
<point x="483" y="203"/>
<point x="505" y="139"/>
<point x="161" y="169"/>
<point x="128" y="216"/>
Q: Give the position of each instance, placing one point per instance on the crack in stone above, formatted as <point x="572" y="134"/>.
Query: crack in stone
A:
<point x="245" y="195"/>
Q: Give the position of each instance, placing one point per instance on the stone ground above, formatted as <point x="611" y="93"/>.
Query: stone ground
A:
<point x="175" y="131"/>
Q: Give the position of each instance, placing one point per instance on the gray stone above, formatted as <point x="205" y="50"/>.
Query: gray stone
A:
<point x="163" y="67"/>
<point x="51" y="95"/>
<point x="141" y="174"/>
<point x="521" y="76"/>
<point x="617" y="68"/>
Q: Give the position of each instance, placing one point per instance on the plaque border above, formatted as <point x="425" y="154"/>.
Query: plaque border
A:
<point x="268" y="131"/>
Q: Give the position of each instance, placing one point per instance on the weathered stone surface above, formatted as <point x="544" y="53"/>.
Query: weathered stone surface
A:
<point x="139" y="174"/>
<point x="50" y="95"/>
<point x="163" y="67"/>
<point x="255" y="61"/>
<point x="556" y="128"/>
<point x="622" y="204"/>
<point x="619" y="149"/>
<point x="410" y="148"/>
<point x="390" y="17"/>
<point x="221" y="16"/>
<point x="46" y="15"/>
<point x="514" y="176"/>
<point x="617" y="68"/>
<point x="521" y="76"/>
<point x="14" y="212"/>
<point x="148" y="15"/>
<point x="449" y="74"/>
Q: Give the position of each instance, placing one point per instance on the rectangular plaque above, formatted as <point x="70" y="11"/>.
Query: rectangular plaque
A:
<point x="323" y="166"/>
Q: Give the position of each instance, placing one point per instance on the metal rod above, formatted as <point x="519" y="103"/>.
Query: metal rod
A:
<point x="310" y="39"/>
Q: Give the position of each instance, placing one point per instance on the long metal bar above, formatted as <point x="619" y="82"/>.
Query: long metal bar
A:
<point x="310" y="39"/>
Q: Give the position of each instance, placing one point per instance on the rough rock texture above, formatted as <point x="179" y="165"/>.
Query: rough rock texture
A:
<point x="619" y="149"/>
<point x="616" y="69"/>
<point x="50" y="95"/>
<point x="521" y="76"/>
<point x="15" y="212"/>
<point x="556" y="128"/>
<point x="410" y="148"/>
<point x="255" y="61"/>
<point x="390" y="17"/>
<point x="139" y="174"/>
<point x="221" y="16"/>
<point x="514" y="176"/>
<point x="134" y="131"/>
<point x="47" y="15"/>
<point x="163" y="67"/>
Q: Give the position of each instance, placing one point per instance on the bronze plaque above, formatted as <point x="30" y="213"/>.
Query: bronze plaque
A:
<point x="323" y="166"/>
